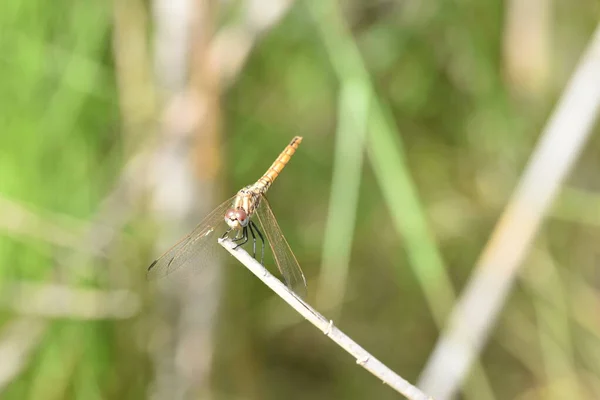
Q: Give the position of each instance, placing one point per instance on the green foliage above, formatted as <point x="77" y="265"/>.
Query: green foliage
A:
<point x="446" y="140"/>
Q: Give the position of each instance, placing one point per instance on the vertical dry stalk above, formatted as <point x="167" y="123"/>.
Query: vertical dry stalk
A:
<point x="527" y="45"/>
<point x="186" y="165"/>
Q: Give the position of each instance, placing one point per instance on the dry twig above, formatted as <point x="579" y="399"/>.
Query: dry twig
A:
<point x="363" y="358"/>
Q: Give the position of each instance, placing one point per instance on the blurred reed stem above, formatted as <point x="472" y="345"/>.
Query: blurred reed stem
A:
<point x="387" y="159"/>
<point x="353" y="115"/>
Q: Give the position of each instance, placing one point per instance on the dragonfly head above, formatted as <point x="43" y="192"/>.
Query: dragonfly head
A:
<point x="236" y="218"/>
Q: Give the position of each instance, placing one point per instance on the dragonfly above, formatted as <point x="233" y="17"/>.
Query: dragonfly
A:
<point x="246" y="214"/>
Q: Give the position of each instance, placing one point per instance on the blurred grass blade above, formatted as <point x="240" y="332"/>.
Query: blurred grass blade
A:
<point x="58" y="362"/>
<point x="19" y="220"/>
<point x="543" y="280"/>
<point x="343" y="202"/>
<point x="386" y="157"/>
<point x="408" y="216"/>
<point x="65" y="301"/>
<point x="19" y="338"/>
<point x="557" y="150"/>
<point x="576" y="205"/>
<point x="409" y="219"/>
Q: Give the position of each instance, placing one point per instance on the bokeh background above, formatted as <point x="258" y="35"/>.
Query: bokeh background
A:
<point x="123" y="123"/>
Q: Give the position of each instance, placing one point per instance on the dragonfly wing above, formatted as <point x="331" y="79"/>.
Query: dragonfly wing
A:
<point x="282" y="253"/>
<point x="196" y="249"/>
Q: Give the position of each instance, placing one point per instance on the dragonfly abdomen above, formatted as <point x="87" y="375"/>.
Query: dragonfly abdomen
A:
<point x="275" y="169"/>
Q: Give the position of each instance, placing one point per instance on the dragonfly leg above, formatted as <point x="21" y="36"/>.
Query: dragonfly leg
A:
<point x="225" y="234"/>
<point x="241" y="235"/>
<point x="262" y="253"/>
<point x="253" y="241"/>
<point x="244" y="237"/>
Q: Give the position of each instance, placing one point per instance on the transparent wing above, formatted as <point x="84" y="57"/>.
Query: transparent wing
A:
<point x="195" y="250"/>
<point x="282" y="253"/>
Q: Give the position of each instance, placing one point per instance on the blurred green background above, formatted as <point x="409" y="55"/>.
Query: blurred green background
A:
<point x="418" y="119"/>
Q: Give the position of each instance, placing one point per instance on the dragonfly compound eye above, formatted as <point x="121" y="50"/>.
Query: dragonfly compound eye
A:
<point x="230" y="215"/>
<point x="242" y="217"/>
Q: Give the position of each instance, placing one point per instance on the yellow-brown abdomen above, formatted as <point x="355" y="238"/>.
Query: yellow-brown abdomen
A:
<point x="275" y="169"/>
